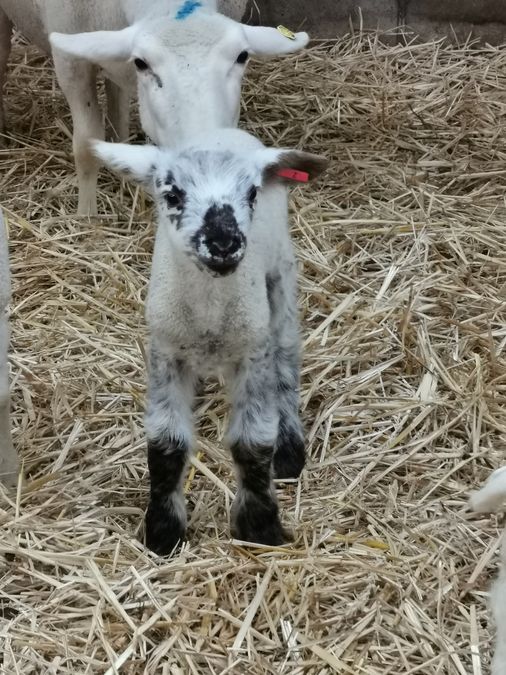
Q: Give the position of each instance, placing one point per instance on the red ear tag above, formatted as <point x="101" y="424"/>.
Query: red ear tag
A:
<point x="293" y="174"/>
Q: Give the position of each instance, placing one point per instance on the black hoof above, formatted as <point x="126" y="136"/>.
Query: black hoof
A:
<point x="289" y="457"/>
<point x="258" y="521"/>
<point x="164" y="531"/>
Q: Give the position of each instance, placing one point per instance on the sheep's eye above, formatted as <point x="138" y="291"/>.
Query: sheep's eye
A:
<point x="173" y="200"/>
<point x="140" y="64"/>
<point x="252" y="195"/>
<point x="243" y="57"/>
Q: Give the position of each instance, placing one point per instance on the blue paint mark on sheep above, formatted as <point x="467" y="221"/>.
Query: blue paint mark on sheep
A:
<point x="187" y="9"/>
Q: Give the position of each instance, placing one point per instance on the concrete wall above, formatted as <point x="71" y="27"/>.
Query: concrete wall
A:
<point x="484" y="19"/>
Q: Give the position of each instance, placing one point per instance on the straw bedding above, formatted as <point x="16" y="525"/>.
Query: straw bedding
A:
<point x="402" y="299"/>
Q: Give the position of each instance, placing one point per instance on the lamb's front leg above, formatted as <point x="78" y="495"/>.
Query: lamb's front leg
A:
<point x="169" y="430"/>
<point x="252" y="436"/>
<point x="289" y="454"/>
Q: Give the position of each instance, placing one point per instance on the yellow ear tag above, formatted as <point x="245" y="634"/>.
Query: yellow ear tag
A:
<point x="286" y="32"/>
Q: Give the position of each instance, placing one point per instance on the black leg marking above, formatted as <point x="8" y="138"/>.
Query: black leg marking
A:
<point x="255" y="512"/>
<point x="290" y="454"/>
<point x="255" y="518"/>
<point x="166" y="516"/>
<point x="168" y="422"/>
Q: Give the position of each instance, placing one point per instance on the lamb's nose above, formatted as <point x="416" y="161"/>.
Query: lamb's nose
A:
<point x="224" y="247"/>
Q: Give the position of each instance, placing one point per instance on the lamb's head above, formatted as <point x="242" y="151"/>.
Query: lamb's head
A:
<point x="206" y="199"/>
<point x="189" y="66"/>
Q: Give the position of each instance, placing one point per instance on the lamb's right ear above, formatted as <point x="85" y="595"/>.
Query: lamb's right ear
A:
<point x="289" y="166"/>
<point x="137" y="162"/>
<point x="97" y="46"/>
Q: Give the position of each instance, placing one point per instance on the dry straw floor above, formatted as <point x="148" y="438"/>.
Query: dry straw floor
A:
<point x="403" y="304"/>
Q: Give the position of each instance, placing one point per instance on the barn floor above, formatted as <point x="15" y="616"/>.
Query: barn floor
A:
<point x="403" y="302"/>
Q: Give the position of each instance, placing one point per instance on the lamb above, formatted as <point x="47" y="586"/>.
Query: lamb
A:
<point x="490" y="498"/>
<point x="189" y="61"/>
<point x="222" y="296"/>
<point x="8" y="456"/>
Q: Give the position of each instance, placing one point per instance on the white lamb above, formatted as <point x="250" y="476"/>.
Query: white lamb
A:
<point x="8" y="456"/>
<point x="189" y="61"/>
<point x="491" y="498"/>
<point x="222" y="296"/>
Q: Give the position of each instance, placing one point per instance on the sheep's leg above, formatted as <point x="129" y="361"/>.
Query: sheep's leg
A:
<point x="252" y="434"/>
<point x="77" y="80"/>
<point x="118" y="111"/>
<point x="8" y="456"/>
<point x="169" y="431"/>
<point x="5" y="49"/>
<point x="289" y="453"/>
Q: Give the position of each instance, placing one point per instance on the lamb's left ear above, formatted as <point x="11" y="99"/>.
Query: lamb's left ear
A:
<point x="265" y="41"/>
<point x="137" y="162"/>
<point x="289" y="166"/>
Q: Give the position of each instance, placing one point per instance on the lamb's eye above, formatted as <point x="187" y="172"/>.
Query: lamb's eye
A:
<point x="252" y="195"/>
<point x="243" y="57"/>
<point x="173" y="200"/>
<point x="140" y="64"/>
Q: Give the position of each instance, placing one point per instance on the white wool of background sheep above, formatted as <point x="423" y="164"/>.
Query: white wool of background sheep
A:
<point x="8" y="456"/>
<point x="190" y="61"/>
<point x="491" y="498"/>
<point x="222" y="297"/>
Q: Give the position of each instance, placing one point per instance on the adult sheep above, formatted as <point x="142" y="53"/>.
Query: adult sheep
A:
<point x="222" y="296"/>
<point x="189" y="61"/>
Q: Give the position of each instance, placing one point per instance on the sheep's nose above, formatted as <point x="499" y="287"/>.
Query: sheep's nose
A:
<point x="220" y="243"/>
<point x="224" y="247"/>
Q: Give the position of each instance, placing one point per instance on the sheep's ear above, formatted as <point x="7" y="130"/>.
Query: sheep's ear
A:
<point x="137" y="162"/>
<point x="289" y="166"/>
<point x="492" y="495"/>
<point x="96" y="46"/>
<point x="265" y="41"/>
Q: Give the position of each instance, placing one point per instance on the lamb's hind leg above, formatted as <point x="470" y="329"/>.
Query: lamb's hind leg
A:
<point x="252" y="434"/>
<point x="169" y="431"/>
<point x="5" y="49"/>
<point x="289" y="454"/>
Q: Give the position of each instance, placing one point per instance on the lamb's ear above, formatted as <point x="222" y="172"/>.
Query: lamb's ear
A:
<point x="289" y="166"/>
<point x="96" y="46"/>
<point x="265" y="41"/>
<point x="492" y="495"/>
<point x="137" y="162"/>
